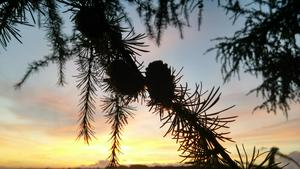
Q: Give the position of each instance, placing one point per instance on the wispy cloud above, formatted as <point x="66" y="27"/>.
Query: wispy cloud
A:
<point x="284" y="135"/>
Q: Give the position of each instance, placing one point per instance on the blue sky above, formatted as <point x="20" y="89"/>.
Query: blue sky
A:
<point x="38" y="124"/>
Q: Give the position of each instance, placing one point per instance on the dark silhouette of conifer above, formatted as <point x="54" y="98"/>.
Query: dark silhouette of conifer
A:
<point x="266" y="46"/>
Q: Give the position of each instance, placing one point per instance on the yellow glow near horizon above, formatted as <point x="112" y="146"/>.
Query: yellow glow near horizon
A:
<point x="66" y="152"/>
<point x="23" y="144"/>
<point x="155" y="150"/>
<point x="57" y="154"/>
<point x="142" y="143"/>
<point x="25" y="151"/>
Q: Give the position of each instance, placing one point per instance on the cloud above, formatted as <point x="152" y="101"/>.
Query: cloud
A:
<point x="279" y="129"/>
<point x="290" y="165"/>
<point x="283" y="135"/>
<point x="99" y="164"/>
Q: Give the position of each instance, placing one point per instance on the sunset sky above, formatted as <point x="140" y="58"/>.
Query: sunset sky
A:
<point x="38" y="124"/>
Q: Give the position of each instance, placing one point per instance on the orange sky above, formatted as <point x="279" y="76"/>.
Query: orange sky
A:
<point x="48" y="139"/>
<point x="38" y="123"/>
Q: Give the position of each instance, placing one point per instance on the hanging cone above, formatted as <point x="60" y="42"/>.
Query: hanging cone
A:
<point x="91" y="22"/>
<point x="160" y="84"/>
<point x="124" y="79"/>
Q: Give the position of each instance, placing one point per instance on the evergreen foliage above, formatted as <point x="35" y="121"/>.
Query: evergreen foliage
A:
<point x="266" y="46"/>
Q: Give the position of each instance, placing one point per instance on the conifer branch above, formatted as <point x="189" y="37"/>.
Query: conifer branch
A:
<point x="56" y="38"/>
<point x="117" y="113"/>
<point x="13" y="12"/>
<point x="88" y="82"/>
<point x="257" y="160"/>
<point x="265" y="46"/>
<point x="35" y="67"/>
<point x="195" y="130"/>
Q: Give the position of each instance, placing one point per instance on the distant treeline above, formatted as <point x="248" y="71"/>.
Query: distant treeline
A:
<point x="155" y="167"/>
<point x="147" y="167"/>
<point x="176" y="167"/>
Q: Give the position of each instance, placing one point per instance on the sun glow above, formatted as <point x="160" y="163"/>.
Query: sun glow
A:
<point x="27" y="151"/>
<point x="149" y="151"/>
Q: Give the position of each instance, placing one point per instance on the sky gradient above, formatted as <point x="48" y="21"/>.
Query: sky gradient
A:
<point x="38" y="124"/>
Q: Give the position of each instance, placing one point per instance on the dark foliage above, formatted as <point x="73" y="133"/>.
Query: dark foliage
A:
<point x="161" y="84"/>
<point x="117" y="112"/>
<point x="266" y="46"/>
<point x="124" y="79"/>
<point x="190" y="124"/>
<point x="87" y="82"/>
<point x="157" y="16"/>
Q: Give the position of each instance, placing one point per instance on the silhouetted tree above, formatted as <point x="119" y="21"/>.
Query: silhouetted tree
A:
<point x="106" y="47"/>
<point x="265" y="46"/>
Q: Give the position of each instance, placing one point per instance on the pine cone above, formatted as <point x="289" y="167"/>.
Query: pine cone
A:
<point x="160" y="83"/>
<point x="124" y="79"/>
